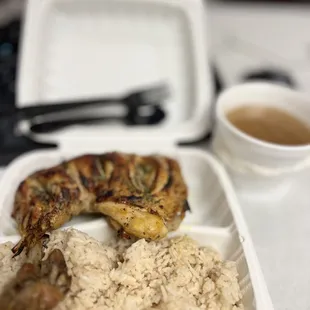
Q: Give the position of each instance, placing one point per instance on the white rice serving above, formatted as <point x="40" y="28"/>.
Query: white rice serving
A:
<point x="170" y="274"/>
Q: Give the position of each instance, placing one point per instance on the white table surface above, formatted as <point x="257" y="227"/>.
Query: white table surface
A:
<point x="245" y="37"/>
<point x="280" y="231"/>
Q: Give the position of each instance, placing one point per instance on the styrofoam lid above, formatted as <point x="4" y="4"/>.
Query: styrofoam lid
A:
<point x="94" y="48"/>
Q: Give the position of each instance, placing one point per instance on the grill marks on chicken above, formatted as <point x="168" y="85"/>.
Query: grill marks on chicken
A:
<point x="44" y="202"/>
<point x="142" y="196"/>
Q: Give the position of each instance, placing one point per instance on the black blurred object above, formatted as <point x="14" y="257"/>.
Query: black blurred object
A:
<point x="270" y="75"/>
<point x="9" y="39"/>
<point x="13" y="145"/>
<point x="218" y="80"/>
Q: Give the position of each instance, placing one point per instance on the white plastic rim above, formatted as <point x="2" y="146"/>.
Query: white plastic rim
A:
<point x="248" y="155"/>
<point x="246" y="167"/>
<point x="264" y="94"/>
<point x="188" y="157"/>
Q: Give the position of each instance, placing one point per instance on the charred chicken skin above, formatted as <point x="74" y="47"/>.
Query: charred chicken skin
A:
<point x="141" y="196"/>
<point x="40" y="285"/>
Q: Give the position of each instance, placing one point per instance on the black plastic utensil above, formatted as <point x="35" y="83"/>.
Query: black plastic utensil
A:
<point x="143" y="115"/>
<point x="150" y="96"/>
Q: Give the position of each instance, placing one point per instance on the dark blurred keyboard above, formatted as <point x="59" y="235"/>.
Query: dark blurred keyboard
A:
<point x="11" y="145"/>
<point x="9" y="39"/>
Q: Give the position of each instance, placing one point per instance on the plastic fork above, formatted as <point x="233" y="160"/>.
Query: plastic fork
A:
<point x="152" y="116"/>
<point x="150" y="96"/>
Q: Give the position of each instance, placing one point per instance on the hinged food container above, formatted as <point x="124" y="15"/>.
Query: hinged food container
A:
<point x="89" y="48"/>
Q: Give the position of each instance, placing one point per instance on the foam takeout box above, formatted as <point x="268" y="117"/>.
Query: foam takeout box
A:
<point x="80" y="48"/>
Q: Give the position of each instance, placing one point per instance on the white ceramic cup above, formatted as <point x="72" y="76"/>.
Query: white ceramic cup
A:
<point x="255" y="165"/>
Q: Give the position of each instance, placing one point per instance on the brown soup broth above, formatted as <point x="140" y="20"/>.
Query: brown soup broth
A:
<point x="270" y="124"/>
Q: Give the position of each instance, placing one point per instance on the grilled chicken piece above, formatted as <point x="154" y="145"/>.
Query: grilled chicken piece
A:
<point x="142" y="196"/>
<point x="38" y="286"/>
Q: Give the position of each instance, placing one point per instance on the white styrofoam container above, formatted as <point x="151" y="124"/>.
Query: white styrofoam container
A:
<point x="216" y="218"/>
<point x="79" y="48"/>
